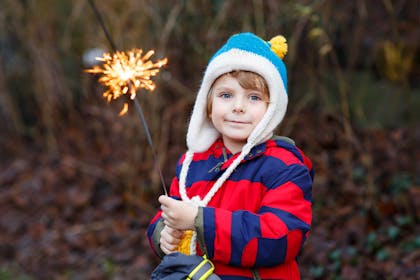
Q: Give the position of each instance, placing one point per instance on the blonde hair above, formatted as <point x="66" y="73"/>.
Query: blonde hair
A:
<point x="246" y="79"/>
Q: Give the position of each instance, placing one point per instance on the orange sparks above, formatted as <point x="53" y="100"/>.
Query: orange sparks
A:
<point x="126" y="72"/>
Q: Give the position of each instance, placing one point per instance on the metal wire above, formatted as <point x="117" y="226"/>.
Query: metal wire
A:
<point x="136" y="101"/>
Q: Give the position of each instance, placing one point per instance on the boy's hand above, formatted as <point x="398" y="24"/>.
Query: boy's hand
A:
<point x="178" y="214"/>
<point x="169" y="239"/>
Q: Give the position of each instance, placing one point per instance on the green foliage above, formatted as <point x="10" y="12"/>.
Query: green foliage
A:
<point x="405" y="221"/>
<point x="411" y="245"/>
<point x="372" y="242"/>
<point x="7" y="273"/>
<point x="335" y="260"/>
<point x="382" y="242"/>
<point x="393" y="232"/>
<point x="382" y="254"/>
<point x="401" y="183"/>
<point x="393" y="105"/>
<point x="109" y="267"/>
<point x="317" y="271"/>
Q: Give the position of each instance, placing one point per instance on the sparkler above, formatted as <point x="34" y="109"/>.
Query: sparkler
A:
<point x="126" y="73"/>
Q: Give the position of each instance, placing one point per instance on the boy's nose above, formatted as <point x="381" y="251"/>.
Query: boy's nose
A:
<point x="239" y="105"/>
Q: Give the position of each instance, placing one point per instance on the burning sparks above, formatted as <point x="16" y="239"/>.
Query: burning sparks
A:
<point x="126" y="72"/>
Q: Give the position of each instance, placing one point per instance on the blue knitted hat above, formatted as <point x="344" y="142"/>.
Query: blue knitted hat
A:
<point x="244" y="51"/>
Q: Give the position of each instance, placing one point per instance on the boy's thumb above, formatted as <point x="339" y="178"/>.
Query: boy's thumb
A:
<point x="163" y="199"/>
<point x="166" y="200"/>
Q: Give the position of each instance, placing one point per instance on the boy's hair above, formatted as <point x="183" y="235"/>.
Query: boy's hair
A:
<point x="246" y="79"/>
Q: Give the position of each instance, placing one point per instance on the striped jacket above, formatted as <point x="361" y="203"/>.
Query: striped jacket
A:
<point x="256" y="224"/>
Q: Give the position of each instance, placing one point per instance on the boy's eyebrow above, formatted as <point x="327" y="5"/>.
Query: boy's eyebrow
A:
<point x="222" y="88"/>
<point x="231" y="88"/>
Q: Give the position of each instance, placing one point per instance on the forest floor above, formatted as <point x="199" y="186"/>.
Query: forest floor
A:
<point x="69" y="216"/>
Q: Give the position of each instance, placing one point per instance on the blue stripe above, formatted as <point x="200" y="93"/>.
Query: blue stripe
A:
<point x="304" y="181"/>
<point x="245" y="227"/>
<point x="292" y="148"/>
<point x="289" y="147"/>
<point x="292" y="222"/>
<point x="151" y="229"/>
<point x="267" y="248"/>
<point x="279" y="174"/>
<point x="209" y="229"/>
<point x="203" y="170"/>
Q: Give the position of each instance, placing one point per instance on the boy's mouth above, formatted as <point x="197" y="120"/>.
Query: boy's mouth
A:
<point x="236" y="122"/>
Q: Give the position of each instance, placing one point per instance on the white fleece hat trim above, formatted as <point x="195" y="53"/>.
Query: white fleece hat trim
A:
<point x="201" y="132"/>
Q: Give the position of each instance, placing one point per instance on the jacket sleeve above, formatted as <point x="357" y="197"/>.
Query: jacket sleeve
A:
<point x="271" y="236"/>
<point x="153" y="234"/>
<point x="156" y="225"/>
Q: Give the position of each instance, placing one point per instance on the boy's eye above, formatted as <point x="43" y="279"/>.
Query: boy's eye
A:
<point x="225" y="95"/>
<point x="254" y="97"/>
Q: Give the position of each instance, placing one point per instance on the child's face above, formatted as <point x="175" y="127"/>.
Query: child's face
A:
<point x="236" y="111"/>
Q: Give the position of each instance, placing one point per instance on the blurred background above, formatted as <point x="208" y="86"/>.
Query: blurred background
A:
<point x="77" y="182"/>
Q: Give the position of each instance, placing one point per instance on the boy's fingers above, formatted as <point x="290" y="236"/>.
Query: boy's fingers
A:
<point x="176" y="233"/>
<point x="173" y="241"/>
<point x="166" y="201"/>
<point x="165" y="249"/>
<point x="163" y="199"/>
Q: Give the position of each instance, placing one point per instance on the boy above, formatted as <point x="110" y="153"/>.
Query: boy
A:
<point x="243" y="193"/>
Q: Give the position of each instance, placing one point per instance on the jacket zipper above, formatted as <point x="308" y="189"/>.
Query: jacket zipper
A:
<point x="219" y="164"/>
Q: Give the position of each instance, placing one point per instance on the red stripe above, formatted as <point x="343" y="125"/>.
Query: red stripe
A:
<point x="244" y="195"/>
<point x="215" y="150"/>
<point x="252" y="191"/>
<point x="284" y="155"/>
<point x="202" y="156"/>
<point x="249" y="254"/>
<point x="306" y="160"/>
<point x="294" y="241"/>
<point x="174" y="188"/>
<point x="222" y="242"/>
<point x="222" y="269"/>
<point x="287" y="271"/>
<point x="272" y="226"/>
<point x="289" y="198"/>
<point x="156" y="217"/>
<point x="200" y="188"/>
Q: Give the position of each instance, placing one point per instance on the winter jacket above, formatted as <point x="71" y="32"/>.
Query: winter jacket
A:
<point x="256" y="224"/>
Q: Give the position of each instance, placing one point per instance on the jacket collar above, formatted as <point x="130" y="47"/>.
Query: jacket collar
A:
<point x="219" y="150"/>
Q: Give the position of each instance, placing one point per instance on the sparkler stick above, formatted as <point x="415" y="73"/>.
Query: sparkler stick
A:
<point x="126" y="73"/>
<point x="149" y="139"/>
<point x="101" y="22"/>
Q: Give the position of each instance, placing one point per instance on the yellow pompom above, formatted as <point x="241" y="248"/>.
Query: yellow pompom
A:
<point x="279" y="46"/>
<point x="185" y="243"/>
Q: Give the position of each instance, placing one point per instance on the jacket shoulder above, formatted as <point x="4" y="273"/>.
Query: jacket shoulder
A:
<point x="284" y="139"/>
